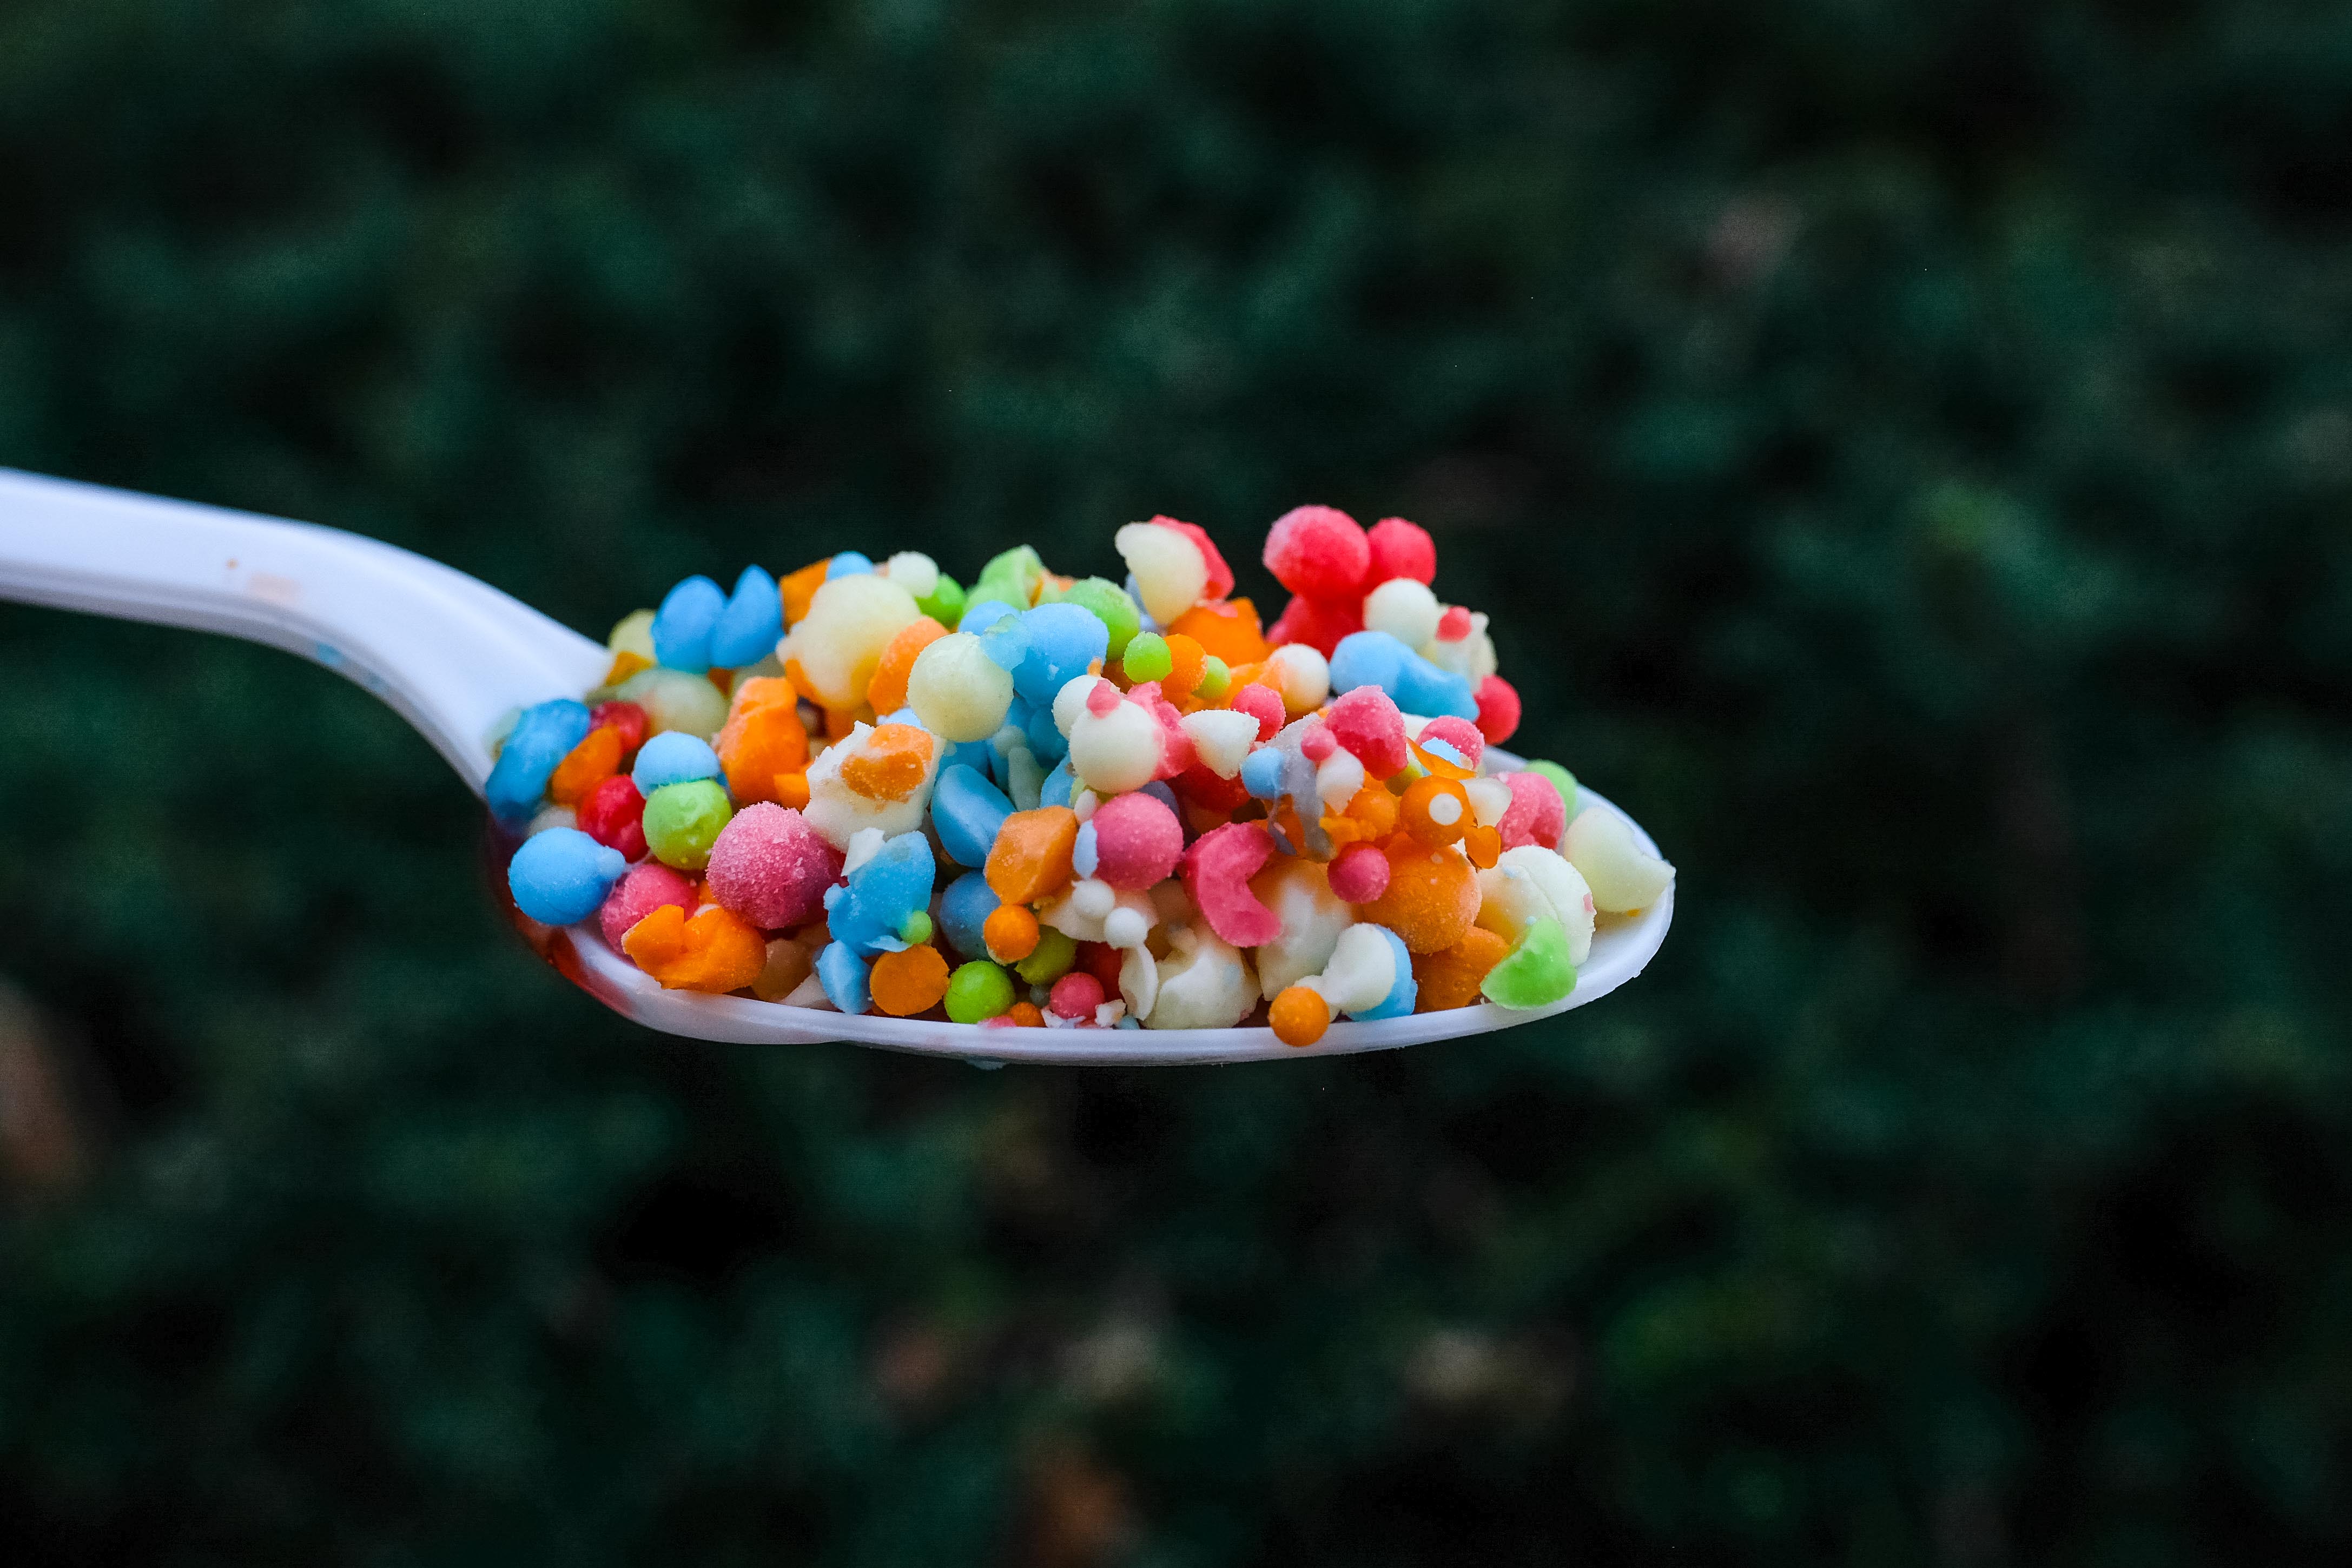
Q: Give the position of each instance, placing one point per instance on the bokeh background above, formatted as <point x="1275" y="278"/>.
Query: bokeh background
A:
<point x="1907" y="450"/>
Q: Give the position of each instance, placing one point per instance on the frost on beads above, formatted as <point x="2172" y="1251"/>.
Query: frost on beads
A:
<point x="1112" y="801"/>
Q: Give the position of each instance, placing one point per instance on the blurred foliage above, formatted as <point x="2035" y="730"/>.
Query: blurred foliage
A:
<point x="1905" y="450"/>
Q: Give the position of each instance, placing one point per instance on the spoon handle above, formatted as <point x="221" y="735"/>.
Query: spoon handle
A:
<point x="450" y="653"/>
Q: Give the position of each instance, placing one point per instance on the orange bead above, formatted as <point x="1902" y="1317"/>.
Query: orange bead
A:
<point x="1370" y="818"/>
<point x="1011" y="933"/>
<point x="792" y="789"/>
<point x="625" y="665"/>
<point x="723" y="679"/>
<point x="1026" y="1015"/>
<point x="1483" y="845"/>
<point x="764" y="736"/>
<point x="800" y="682"/>
<point x="1450" y="978"/>
<point x="800" y="588"/>
<point x="1299" y="1016"/>
<point x="1227" y="628"/>
<point x="1431" y="897"/>
<point x="1030" y="861"/>
<point x="1439" y="766"/>
<point x="717" y="950"/>
<point x="597" y="759"/>
<point x="910" y="981"/>
<point x="838" y="721"/>
<point x="888" y="691"/>
<point x="1435" y="811"/>
<point x="1190" y="661"/>
<point x="892" y="763"/>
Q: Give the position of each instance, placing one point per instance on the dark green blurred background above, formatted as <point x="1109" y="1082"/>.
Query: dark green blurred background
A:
<point x="1906" y="451"/>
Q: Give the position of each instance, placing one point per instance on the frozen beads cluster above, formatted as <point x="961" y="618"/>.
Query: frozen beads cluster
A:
<point x="1070" y="802"/>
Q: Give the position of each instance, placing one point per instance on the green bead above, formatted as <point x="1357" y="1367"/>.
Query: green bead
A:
<point x="1559" y="779"/>
<point x="1011" y="578"/>
<point x="1110" y="605"/>
<point x="1537" y="972"/>
<point x="683" y="821"/>
<point x="1216" y="679"/>
<point x="1147" y="658"/>
<point x="1055" y="955"/>
<point x="981" y="990"/>
<point x="917" y="929"/>
<point x="944" y="603"/>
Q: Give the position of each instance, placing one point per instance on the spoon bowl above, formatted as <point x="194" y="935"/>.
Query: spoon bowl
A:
<point x="453" y="655"/>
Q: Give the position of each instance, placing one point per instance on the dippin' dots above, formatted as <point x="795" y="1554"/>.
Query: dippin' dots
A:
<point x="1067" y="803"/>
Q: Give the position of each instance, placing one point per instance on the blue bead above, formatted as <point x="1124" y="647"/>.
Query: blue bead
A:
<point x="748" y="628"/>
<point x="1086" y="854"/>
<point x="968" y="811"/>
<point x="682" y="626"/>
<point x="1006" y="641"/>
<point x="1064" y="640"/>
<point x="1262" y="772"/>
<point x="673" y="756"/>
<point x="1047" y="741"/>
<point x="541" y="737"/>
<point x="842" y="973"/>
<point x="1058" y="784"/>
<point x="1404" y="992"/>
<point x="1378" y="659"/>
<point x="964" y="908"/>
<point x="561" y="877"/>
<point x="867" y="914"/>
<point x="980" y="617"/>
<point x="848" y="563"/>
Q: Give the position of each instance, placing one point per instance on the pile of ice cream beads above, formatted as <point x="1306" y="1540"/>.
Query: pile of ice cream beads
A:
<point x="1156" y="815"/>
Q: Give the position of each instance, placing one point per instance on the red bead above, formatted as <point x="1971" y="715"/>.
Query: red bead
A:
<point x="1318" y="622"/>
<point x="1400" y="549"/>
<point x="1206" y="790"/>
<point x="628" y="718"/>
<point x="1319" y="551"/>
<point x="1102" y="960"/>
<point x="1499" y="709"/>
<point x="614" y="814"/>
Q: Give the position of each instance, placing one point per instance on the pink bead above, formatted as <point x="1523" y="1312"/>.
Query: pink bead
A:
<point x="1221" y="576"/>
<point x="1499" y="709"/>
<point x="1176" y="746"/>
<point x="1400" y="549"/>
<point x="1536" y="814"/>
<point x="1104" y="696"/>
<point x="1137" y="842"/>
<point x="1075" y="995"/>
<point x="1319" y="551"/>
<point x="1217" y="870"/>
<point x="1316" y="745"/>
<point x="642" y="890"/>
<point x="1359" y="874"/>
<point x="1458" y="733"/>
<point x="1366" y="721"/>
<point x="1262" y="704"/>
<point x="1453" y="625"/>
<point x="770" y="867"/>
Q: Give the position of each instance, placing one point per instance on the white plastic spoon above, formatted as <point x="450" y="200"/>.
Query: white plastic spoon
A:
<point x="452" y="656"/>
